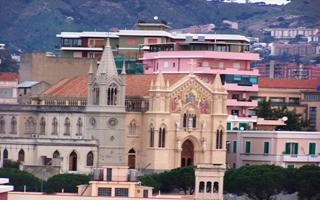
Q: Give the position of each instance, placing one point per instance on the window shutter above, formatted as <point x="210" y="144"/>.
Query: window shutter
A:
<point x="287" y="151"/>
<point x="296" y="148"/>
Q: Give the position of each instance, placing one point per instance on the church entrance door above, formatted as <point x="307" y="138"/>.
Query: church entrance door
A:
<point x="187" y="154"/>
<point x="132" y="159"/>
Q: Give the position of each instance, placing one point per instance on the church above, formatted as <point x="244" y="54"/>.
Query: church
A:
<point x="146" y="122"/>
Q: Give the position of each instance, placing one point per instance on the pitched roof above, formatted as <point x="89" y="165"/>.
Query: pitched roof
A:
<point x="8" y="76"/>
<point x="136" y="85"/>
<point x="287" y="83"/>
<point x="27" y="84"/>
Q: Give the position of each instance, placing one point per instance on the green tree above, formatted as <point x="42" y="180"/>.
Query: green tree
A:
<point x="151" y="181"/>
<point x="264" y="109"/>
<point x="11" y="164"/>
<point x="184" y="179"/>
<point x="19" y="179"/>
<point x="309" y="182"/>
<point x="258" y="182"/>
<point x="68" y="182"/>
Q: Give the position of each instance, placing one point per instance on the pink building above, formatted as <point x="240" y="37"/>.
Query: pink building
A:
<point x="232" y="63"/>
<point x="282" y="148"/>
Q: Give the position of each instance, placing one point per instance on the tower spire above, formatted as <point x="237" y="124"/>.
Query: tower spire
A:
<point x="160" y="82"/>
<point x="107" y="65"/>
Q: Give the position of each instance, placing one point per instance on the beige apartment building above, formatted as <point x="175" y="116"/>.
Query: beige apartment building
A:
<point x="282" y="148"/>
<point x="299" y="95"/>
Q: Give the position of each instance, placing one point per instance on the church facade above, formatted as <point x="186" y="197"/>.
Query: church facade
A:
<point x="147" y="122"/>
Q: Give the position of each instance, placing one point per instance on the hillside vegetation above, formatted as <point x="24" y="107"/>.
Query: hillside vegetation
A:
<point x="33" y="24"/>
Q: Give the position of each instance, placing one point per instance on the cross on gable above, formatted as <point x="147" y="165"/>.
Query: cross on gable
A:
<point x="192" y="64"/>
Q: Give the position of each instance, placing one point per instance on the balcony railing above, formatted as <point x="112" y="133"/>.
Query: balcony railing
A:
<point x="301" y="158"/>
<point x="242" y="103"/>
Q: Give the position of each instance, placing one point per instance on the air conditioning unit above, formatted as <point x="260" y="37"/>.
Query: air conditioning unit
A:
<point x="34" y="135"/>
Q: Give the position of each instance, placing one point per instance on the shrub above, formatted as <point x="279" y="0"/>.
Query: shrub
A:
<point x="19" y="178"/>
<point x="68" y="182"/>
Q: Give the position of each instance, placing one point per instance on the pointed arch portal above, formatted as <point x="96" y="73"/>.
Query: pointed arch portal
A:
<point x="187" y="154"/>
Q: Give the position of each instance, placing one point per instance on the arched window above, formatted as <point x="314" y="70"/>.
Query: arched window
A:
<point x="219" y="139"/>
<point x="73" y="161"/>
<point x="189" y="120"/>
<point x="13" y="125"/>
<point x="67" y="126"/>
<point x="162" y="137"/>
<point x="5" y="154"/>
<point x="56" y="154"/>
<point x="201" y="187"/>
<point x="90" y="159"/>
<point x="54" y="126"/>
<point x="2" y="125"/>
<point x="215" y="187"/>
<point x="96" y="95"/>
<point x="42" y="126"/>
<point x="79" y="126"/>
<point x="209" y="187"/>
<point x="21" y="155"/>
<point x="184" y="120"/>
<point x="132" y="128"/>
<point x="112" y="94"/>
<point x="31" y="125"/>
<point x="151" y="135"/>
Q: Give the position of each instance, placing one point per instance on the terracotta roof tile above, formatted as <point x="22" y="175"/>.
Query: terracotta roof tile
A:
<point x="136" y="85"/>
<point x="288" y="83"/>
<point x="8" y="76"/>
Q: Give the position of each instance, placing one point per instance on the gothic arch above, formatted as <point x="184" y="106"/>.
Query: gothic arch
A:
<point x="187" y="154"/>
<point x="133" y="127"/>
<point x="30" y="125"/>
<point x="79" y="126"/>
<point x="190" y="116"/>
<point x="56" y="154"/>
<point x="5" y="154"/>
<point x="2" y="125"/>
<point x="151" y="135"/>
<point x="112" y="94"/>
<point x="73" y="161"/>
<point x="54" y="126"/>
<point x="67" y="126"/>
<point x="21" y="155"/>
<point x="162" y="136"/>
<point x="90" y="158"/>
<point x="13" y="124"/>
<point x="132" y="158"/>
<point x="42" y="126"/>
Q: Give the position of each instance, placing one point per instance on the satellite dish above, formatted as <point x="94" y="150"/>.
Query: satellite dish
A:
<point x="241" y="128"/>
<point x="155" y="17"/>
<point x="285" y="118"/>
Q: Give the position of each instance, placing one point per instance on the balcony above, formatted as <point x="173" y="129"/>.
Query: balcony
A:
<point x="237" y="87"/>
<point x="301" y="158"/>
<point x="260" y="157"/>
<point x="242" y="103"/>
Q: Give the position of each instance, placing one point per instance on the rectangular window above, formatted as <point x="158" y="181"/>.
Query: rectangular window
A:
<point x="312" y="148"/>
<point x="228" y="126"/>
<point x="121" y="192"/>
<point x="234" y="146"/>
<point x="291" y="148"/>
<point x="277" y="100"/>
<point x="248" y="146"/>
<point x="294" y="101"/>
<point x="145" y="193"/>
<point x="266" y="147"/>
<point x="6" y="92"/>
<point x="313" y="116"/>
<point x="109" y="174"/>
<point x="228" y="147"/>
<point x="104" y="192"/>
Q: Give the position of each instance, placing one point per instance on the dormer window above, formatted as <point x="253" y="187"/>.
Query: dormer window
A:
<point x="112" y="94"/>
